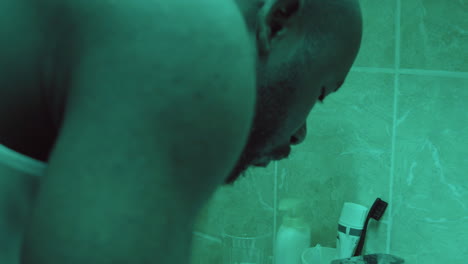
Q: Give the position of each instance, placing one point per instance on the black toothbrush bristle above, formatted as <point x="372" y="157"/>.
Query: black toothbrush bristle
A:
<point x="378" y="209"/>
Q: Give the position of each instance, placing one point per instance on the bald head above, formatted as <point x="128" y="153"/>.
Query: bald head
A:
<point x="334" y="21"/>
<point x="305" y="49"/>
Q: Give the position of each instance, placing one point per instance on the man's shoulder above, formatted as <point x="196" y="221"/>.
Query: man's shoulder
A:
<point x="175" y="14"/>
<point x="172" y="31"/>
<point x="173" y="24"/>
<point x="155" y="50"/>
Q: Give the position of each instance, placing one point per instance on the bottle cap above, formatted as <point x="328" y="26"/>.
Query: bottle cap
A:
<point x="353" y="215"/>
<point x="294" y="212"/>
<point x="293" y="207"/>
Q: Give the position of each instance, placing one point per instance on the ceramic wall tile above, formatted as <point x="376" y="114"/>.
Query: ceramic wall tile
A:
<point x="430" y="208"/>
<point x="378" y="41"/>
<point x="434" y="35"/>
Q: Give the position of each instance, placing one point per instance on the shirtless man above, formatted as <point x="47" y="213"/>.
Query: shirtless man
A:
<point x="142" y="108"/>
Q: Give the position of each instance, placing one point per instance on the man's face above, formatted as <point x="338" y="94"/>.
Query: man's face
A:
<point x="297" y="72"/>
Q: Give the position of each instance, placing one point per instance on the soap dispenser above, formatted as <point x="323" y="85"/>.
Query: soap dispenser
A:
<point x="294" y="233"/>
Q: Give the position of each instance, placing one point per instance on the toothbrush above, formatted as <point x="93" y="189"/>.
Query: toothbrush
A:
<point x="377" y="210"/>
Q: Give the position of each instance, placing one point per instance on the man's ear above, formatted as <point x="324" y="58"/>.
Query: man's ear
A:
<point x="272" y="19"/>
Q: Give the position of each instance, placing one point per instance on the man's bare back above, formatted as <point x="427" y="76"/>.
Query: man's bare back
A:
<point x="105" y="81"/>
<point x="33" y="81"/>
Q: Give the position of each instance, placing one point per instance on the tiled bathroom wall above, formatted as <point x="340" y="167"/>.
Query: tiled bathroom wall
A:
<point x="397" y="130"/>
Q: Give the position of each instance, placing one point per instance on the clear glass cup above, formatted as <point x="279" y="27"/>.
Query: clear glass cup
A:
<point x="245" y="249"/>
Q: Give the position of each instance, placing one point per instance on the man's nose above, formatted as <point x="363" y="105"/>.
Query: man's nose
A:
<point x="300" y="135"/>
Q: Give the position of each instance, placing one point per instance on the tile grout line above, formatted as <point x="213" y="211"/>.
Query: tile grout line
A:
<point x="396" y="90"/>
<point x="275" y="207"/>
<point x="420" y="72"/>
<point x="372" y="70"/>
<point x="450" y="74"/>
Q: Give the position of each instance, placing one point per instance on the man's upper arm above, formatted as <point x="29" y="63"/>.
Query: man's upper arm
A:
<point x="152" y="126"/>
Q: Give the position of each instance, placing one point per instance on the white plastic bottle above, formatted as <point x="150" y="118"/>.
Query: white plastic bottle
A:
<point x="350" y="227"/>
<point x="293" y="235"/>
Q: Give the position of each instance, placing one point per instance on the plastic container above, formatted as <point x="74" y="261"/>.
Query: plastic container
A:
<point x="293" y="235"/>
<point x="319" y="255"/>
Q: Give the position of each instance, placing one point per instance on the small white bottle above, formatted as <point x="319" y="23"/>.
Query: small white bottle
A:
<point x="293" y="235"/>
<point x="350" y="227"/>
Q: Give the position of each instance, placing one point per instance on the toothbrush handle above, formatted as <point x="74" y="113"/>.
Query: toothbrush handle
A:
<point x="361" y="239"/>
